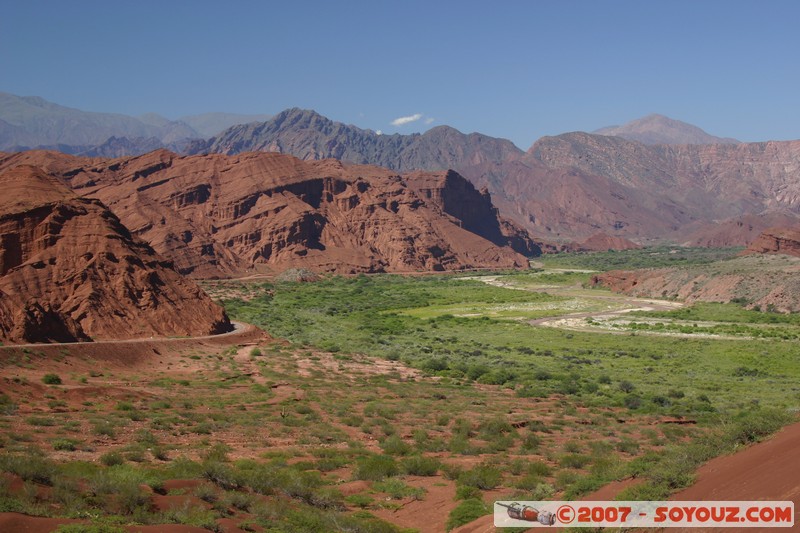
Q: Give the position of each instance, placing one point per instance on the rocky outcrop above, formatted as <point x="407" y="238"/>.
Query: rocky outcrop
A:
<point x="602" y="242"/>
<point x="69" y="270"/>
<point x="738" y="231"/>
<point x="220" y="215"/>
<point x="776" y="241"/>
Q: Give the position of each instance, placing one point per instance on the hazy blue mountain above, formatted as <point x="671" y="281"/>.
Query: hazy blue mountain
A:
<point x="658" y="129"/>
<point x="210" y="124"/>
<point x="35" y="121"/>
<point x="309" y="135"/>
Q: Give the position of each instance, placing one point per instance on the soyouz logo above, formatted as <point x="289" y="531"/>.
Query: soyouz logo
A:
<point x="756" y="514"/>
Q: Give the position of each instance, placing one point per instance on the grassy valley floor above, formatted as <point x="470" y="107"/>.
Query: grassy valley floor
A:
<point x="388" y="403"/>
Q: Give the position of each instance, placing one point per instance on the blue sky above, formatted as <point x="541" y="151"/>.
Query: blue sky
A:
<point x="513" y="69"/>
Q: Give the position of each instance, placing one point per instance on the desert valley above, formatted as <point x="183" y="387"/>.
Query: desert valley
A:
<point x="300" y="325"/>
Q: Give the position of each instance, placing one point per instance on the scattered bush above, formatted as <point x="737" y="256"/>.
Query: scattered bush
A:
<point x="484" y="477"/>
<point x="394" y="445"/>
<point x="51" y="379"/>
<point x="30" y="467"/>
<point x="574" y="460"/>
<point x="397" y="490"/>
<point x="359" y="500"/>
<point x="420" y="466"/>
<point x="89" y="528"/>
<point x="65" y="445"/>
<point x="376" y="468"/>
<point x="112" y="458"/>
<point x="466" y="512"/>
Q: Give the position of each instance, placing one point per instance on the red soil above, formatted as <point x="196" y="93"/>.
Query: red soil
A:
<point x="769" y="470"/>
<point x="20" y="523"/>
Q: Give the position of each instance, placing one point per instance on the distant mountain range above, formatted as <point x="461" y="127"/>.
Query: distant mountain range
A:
<point x="651" y="179"/>
<point x="309" y="135"/>
<point x="32" y="122"/>
<point x="569" y="186"/>
<point x="658" y="129"/>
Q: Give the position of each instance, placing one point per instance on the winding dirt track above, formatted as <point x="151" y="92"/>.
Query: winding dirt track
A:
<point x="132" y="351"/>
<point x="238" y="328"/>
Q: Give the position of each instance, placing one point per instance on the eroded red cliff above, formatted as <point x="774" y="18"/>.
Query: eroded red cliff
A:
<point x="69" y="270"/>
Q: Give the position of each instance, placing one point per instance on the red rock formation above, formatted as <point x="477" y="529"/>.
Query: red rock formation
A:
<point x="69" y="270"/>
<point x="602" y="242"/>
<point x="739" y="231"/>
<point x="776" y="241"/>
<point x="220" y="215"/>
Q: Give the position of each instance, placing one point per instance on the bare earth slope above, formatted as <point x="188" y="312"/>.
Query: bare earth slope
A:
<point x="69" y="270"/>
<point x="763" y="281"/>
<point x="767" y="471"/>
<point x="220" y="215"/>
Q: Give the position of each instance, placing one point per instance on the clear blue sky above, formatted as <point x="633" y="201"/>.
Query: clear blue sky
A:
<point x="513" y="69"/>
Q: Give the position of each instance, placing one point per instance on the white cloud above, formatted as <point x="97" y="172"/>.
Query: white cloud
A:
<point x="405" y="120"/>
<point x="379" y="132"/>
<point x="429" y="120"/>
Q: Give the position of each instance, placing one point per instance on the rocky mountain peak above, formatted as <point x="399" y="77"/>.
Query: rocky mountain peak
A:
<point x="660" y="129"/>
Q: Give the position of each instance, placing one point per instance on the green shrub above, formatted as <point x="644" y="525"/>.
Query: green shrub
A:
<point x="376" y="468"/>
<point x="752" y="425"/>
<point x="633" y="401"/>
<point x="218" y="452"/>
<point x="112" y="458"/>
<point x="528" y="482"/>
<point x="394" y="445"/>
<point x="7" y="406"/>
<point x="451" y="471"/>
<point x="89" y="528"/>
<point x="206" y="492"/>
<point x="242" y="501"/>
<point x="574" y="460"/>
<point x="29" y="467"/>
<point x="51" y="379"/>
<point x="104" y="427"/>
<point x="466" y="512"/>
<point x="627" y="445"/>
<point x="397" y="489"/>
<point x="484" y="477"/>
<point x="539" y="468"/>
<point x="222" y="475"/>
<point x="40" y="421"/>
<point x="463" y="492"/>
<point x="419" y="465"/>
<point x="530" y="443"/>
<point x="359" y="500"/>
<point x="66" y="445"/>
